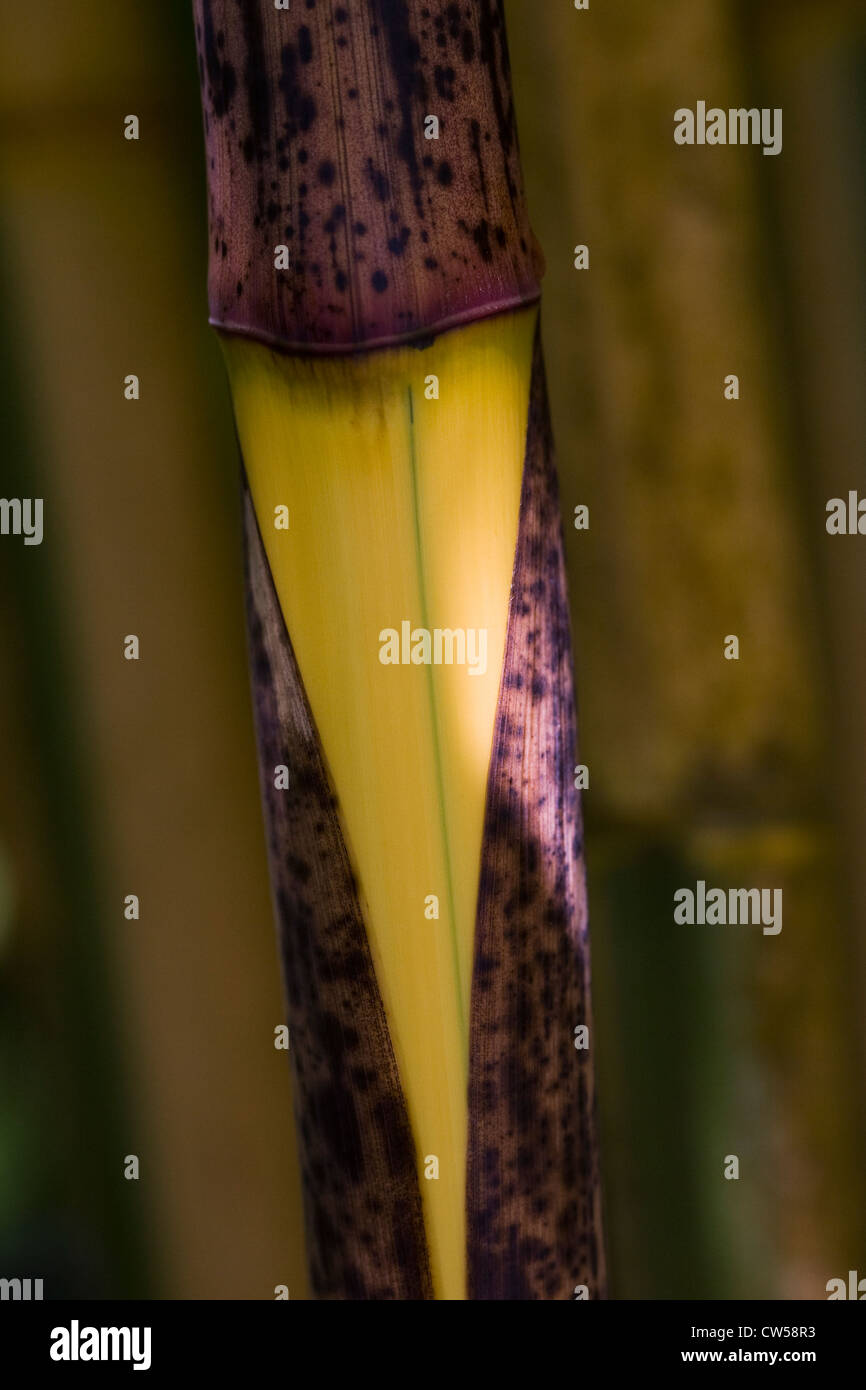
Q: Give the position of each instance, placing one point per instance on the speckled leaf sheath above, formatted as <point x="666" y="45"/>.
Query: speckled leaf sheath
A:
<point x="365" y="1230"/>
<point x="314" y="128"/>
<point x="533" y="1191"/>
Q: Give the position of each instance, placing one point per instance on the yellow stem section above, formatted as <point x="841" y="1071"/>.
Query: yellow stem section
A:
<point x="402" y="508"/>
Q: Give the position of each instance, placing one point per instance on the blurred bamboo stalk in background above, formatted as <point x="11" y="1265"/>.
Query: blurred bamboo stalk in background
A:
<point x="816" y="62"/>
<point x="700" y="768"/>
<point x="102" y="247"/>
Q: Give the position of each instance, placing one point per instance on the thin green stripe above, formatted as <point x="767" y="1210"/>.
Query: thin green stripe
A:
<point x="464" y="1032"/>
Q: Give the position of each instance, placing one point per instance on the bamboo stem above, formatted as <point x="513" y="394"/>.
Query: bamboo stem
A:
<point x="338" y="224"/>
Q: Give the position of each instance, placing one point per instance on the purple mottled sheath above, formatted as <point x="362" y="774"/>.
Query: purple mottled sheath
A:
<point x="316" y="122"/>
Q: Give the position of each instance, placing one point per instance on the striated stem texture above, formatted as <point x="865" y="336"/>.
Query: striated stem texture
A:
<point x="315" y="126"/>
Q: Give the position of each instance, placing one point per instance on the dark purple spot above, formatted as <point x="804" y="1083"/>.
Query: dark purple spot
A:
<point x="300" y="106"/>
<point x="221" y="76"/>
<point x="444" y="79"/>
<point x="256" y="79"/>
<point x="381" y="185"/>
<point x="481" y="237"/>
<point x="397" y="244"/>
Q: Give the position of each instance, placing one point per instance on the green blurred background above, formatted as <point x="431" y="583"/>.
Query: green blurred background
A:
<point x="706" y="518"/>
